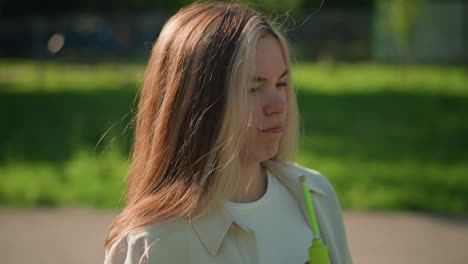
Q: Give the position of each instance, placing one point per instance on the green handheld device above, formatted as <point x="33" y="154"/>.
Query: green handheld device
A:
<point x="318" y="252"/>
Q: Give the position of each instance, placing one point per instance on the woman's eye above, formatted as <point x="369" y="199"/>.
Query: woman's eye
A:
<point x="283" y="84"/>
<point x="253" y="90"/>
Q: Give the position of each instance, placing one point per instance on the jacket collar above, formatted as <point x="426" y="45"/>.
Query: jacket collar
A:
<point x="212" y="228"/>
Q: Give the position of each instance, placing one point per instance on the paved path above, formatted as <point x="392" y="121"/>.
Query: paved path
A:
<point x="77" y="235"/>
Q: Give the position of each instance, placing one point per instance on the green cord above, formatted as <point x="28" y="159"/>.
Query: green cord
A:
<point x="310" y="207"/>
<point x="318" y="252"/>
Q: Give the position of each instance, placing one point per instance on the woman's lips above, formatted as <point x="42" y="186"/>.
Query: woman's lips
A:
<point x="277" y="129"/>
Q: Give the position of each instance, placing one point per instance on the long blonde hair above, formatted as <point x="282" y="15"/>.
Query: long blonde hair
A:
<point x="190" y="120"/>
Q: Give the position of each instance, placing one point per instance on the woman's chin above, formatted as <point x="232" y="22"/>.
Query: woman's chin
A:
<point x="259" y="153"/>
<point x="268" y="155"/>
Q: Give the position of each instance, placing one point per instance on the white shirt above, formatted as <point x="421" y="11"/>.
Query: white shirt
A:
<point x="282" y="233"/>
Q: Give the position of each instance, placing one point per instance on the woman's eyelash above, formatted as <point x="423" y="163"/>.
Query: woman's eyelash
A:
<point x="255" y="89"/>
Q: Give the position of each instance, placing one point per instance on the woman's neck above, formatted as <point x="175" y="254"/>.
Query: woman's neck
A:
<point x="253" y="184"/>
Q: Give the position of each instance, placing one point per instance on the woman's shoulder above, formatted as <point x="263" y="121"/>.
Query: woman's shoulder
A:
<point x="135" y="247"/>
<point x="314" y="178"/>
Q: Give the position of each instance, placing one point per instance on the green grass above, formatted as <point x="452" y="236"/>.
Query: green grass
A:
<point x="87" y="178"/>
<point x="27" y="77"/>
<point x="387" y="137"/>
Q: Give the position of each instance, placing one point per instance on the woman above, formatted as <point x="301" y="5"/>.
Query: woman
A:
<point x="211" y="178"/>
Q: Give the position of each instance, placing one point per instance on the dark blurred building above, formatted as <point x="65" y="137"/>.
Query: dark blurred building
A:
<point x="437" y="34"/>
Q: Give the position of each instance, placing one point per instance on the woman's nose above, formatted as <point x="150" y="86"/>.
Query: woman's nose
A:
<point x="276" y="104"/>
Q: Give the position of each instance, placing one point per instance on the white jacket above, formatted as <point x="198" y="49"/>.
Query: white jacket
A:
<point x="210" y="239"/>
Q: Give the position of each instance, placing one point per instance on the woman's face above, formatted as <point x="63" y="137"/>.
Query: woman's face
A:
<point x="267" y="101"/>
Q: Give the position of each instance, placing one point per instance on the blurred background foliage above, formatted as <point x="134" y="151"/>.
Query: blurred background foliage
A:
<point x="55" y="7"/>
<point x="381" y="84"/>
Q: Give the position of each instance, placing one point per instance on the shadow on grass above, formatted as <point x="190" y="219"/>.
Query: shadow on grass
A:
<point x="54" y="126"/>
<point x="387" y="126"/>
<point x="384" y="126"/>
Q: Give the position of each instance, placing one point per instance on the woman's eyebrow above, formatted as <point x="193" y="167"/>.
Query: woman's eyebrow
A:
<point x="262" y="79"/>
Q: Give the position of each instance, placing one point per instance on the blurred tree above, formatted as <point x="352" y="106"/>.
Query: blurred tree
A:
<point x="401" y="15"/>
<point x="57" y="7"/>
<point x="311" y="4"/>
<point x="273" y="5"/>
